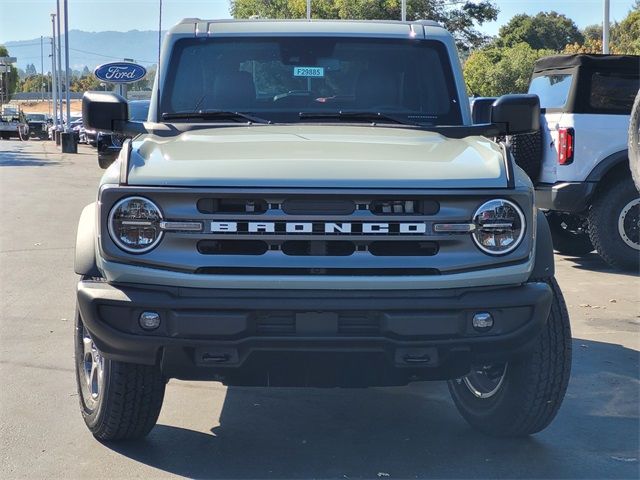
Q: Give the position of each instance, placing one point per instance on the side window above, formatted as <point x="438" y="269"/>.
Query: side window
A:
<point x="614" y="91"/>
<point x="553" y="90"/>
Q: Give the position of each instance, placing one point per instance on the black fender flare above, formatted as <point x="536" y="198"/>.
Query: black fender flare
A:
<point x="543" y="266"/>
<point x="85" y="255"/>
<point x="608" y="164"/>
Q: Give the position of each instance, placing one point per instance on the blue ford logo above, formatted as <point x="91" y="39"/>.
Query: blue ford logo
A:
<point x="120" y="72"/>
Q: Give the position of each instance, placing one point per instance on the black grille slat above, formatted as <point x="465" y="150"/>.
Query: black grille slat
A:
<point x="318" y="206"/>
<point x="403" y="249"/>
<point x="316" y="271"/>
<point x="232" y="247"/>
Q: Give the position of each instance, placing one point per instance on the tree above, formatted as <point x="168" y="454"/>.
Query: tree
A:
<point x="626" y="34"/>
<point x="85" y="71"/>
<point x="546" y="30"/>
<point x="34" y="83"/>
<point x="497" y="70"/>
<point x="461" y="17"/>
<point x="11" y="79"/>
<point x="31" y="70"/>
<point x="624" y="37"/>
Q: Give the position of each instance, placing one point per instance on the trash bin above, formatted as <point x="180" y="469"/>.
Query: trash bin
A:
<point x="68" y="142"/>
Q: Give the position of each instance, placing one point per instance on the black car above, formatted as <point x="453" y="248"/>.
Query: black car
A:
<point x="38" y="125"/>
<point x="110" y="144"/>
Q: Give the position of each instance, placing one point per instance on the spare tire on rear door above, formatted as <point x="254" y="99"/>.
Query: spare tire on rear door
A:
<point x="527" y="152"/>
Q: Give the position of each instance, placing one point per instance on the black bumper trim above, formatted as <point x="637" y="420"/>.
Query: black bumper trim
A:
<point x="215" y="333"/>
<point x="571" y="197"/>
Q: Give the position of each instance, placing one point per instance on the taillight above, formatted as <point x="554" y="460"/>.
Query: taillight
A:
<point x="566" y="139"/>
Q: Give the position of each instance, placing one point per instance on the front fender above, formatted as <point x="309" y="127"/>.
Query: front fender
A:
<point x="85" y="256"/>
<point x="543" y="266"/>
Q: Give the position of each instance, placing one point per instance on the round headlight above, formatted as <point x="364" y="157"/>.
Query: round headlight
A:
<point x="499" y="227"/>
<point x="134" y="224"/>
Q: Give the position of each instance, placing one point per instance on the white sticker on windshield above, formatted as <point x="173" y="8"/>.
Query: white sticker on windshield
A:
<point x="308" y="71"/>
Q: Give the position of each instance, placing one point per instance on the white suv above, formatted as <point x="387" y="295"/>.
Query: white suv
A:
<point x="583" y="177"/>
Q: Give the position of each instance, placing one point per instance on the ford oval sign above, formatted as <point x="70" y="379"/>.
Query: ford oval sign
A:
<point x="120" y="72"/>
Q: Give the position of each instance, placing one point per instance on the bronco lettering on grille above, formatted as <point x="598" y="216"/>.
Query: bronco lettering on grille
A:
<point x="331" y="228"/>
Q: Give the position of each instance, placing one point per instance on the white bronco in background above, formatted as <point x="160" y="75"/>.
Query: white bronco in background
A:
<point x="582" y="158"/>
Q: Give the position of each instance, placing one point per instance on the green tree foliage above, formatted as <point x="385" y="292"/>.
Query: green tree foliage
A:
<point x="34" y="83"/>
<point x="12" y="80"/>
<point x="549" y="30"/>
<point x="31" y="70"/>
<point x="459" y="17"/>
<point x="624" y="37"/>
<point x="84" y="83"/>
<point x="496" y="70"/>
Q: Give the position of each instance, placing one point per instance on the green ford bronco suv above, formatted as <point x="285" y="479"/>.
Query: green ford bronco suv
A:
<point x="309" y="204"/>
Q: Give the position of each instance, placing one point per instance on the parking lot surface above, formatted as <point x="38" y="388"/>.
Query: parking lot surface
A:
<point x="206" y="430"/>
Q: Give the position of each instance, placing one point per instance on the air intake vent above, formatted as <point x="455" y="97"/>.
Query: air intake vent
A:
<point x="404" y="207"/>
<point x="249" y="206"/>
<point x="232" y="247"/>
<point x="318" y="206"/>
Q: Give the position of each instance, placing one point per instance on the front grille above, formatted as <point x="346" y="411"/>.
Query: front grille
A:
<point x="348" y="323"/>
<point x="312" y="232"/>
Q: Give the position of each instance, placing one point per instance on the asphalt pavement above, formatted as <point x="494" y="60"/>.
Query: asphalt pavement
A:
<point x="206" y="430"/>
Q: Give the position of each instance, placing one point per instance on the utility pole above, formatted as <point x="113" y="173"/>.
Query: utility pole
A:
<point x="308" y="9"/>
<point x="404" y="11"/>
<point x="66" y="64"/>
<point x="605" y="28"/>
<point x="54" y="74"/>
<point x="59" y="58"/>
<point x="42" y="68"/>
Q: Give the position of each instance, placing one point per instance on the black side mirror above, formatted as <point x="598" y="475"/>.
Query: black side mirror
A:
<point x="517" y="114"/>
<point x="108" y="112"/>
<point x="481" y="109"/>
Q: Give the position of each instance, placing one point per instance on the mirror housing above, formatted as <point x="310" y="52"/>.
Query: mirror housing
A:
<point x="108" y="112"/>
<point x="516" y="114"/>
<point x="481" y="109"/>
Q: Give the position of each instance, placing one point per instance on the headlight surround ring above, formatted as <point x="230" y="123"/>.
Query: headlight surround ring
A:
<point x="494" y="227"/>
<point x="150" y="224"/>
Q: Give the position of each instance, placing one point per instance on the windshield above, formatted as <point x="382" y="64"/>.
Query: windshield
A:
<point x="36" y="117"/>
<point x="553" y="90"/>
<point x="278" y="78"/>
<point x="138" y="110"/>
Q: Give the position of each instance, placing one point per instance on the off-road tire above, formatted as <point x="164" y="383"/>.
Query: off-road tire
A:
<point x="634" y="141"/>
<point x="603" y="224"/>
<point x="567" y="239"/>
<point x="527" y="152"/>
<point x="533" y="387"/>
<point x="130" y="402"/>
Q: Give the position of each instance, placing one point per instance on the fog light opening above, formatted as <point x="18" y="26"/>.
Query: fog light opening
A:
<point x="482" y="322"/>
<point x="149" y="320"/>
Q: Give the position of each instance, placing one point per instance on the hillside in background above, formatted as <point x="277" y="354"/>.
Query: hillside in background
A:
<point x="91" y="49"/>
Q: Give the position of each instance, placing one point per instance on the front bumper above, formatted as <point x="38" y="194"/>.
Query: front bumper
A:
<point x="570" y="197"/>
<point x="318" y="338"/>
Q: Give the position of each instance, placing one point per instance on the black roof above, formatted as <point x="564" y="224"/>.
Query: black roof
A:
<point x="608" y="62"/>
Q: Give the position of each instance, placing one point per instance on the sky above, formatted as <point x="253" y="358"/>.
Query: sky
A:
<point x="29" y="19"/>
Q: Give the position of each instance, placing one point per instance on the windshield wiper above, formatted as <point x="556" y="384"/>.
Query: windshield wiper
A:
<point x="214" y="115"/>
<point x="353" y="115"/>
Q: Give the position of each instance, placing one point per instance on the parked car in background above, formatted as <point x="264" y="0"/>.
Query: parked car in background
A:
<point x="584" y="180"/>
<point x="38" y="125"/>
<point x="110" y="144"/>
<point x="13" y="123"/>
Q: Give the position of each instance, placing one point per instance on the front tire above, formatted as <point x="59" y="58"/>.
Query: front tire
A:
<point x="523" y="396"/>
<point x="118" y="401"/>
<point x="614" y="224"/>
